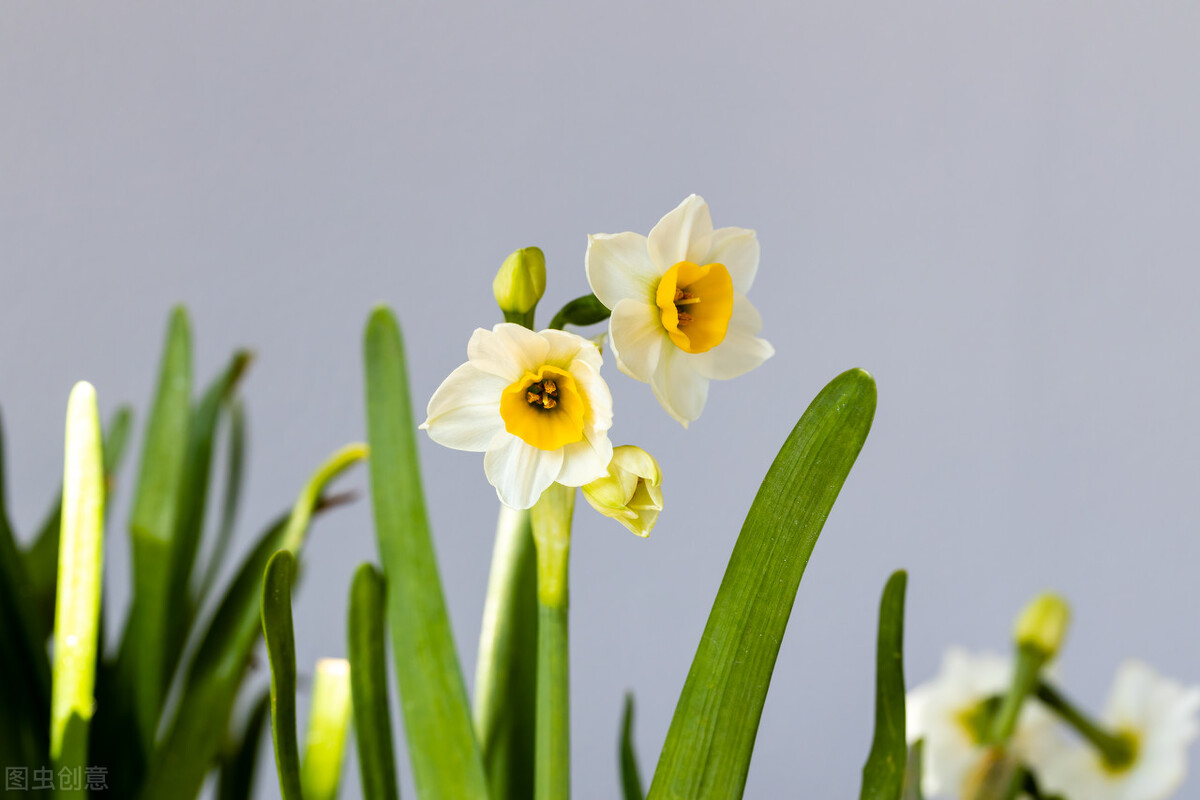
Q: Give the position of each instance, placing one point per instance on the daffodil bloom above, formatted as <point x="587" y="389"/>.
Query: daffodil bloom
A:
<point x="1156" y="717"/>
<point x="953" y="714"/>
<point x="680" y="317"/>
<point x="631" y="492"/>
<point x="534" y="404"/>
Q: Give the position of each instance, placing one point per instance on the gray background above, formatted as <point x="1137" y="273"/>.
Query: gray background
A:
<point x="990" y="206"/>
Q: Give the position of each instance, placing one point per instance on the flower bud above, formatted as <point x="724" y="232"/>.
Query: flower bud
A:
<point x="1043" y="624"/>
<point x="521" y="281"/>
<point x="631" y="493"/>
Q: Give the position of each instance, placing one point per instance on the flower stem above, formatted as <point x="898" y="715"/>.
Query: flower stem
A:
<point x="1117" y="751"/>
<point x="1030" y="661"/>
<point x="551" y="518"/>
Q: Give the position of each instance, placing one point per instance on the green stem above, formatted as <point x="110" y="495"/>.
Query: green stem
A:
<point x="1118" y="751"/>
<point x="1030" y="661"/>
<point x="551" y="518"/>
<point x="517" y="317"/>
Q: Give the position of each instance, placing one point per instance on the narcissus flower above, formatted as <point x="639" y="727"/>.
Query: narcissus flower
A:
<point x="953" y="714"/>
<point x="680" y="317"/>
<point x="631" y="492"/>
<point x="1156" y="716"/>
<point x="534" y="404"/>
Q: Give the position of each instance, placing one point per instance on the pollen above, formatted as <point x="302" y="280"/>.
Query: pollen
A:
<point x="543" y="394"/>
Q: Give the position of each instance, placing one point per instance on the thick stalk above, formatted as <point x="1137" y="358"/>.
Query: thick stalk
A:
<point x="1116" y="750"/>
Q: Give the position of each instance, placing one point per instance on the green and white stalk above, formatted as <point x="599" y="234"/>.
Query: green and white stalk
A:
<point x="551" y="518"/>
<point x="328" y="721"/>
<point x="80" y="571"/>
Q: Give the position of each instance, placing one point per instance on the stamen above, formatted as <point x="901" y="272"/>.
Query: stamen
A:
<point x="543" y="394"/>
<point x="684" y="318"/>
<point x="549" y="386"/>
<point x="549" y="402"/>
<point x="532" y="397"/>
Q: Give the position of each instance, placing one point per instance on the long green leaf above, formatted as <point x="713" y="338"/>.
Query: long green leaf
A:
<point x="709" y="744"/>
<point x="883" y="774"/>
<point x="631" y="776"/>
<point x="328" y="724"/>
<point x="230" y="499"/>
<point x="281" y="651"/>
<point x="80" y="570"/>
<point x="41" y="558"/>
<point x="368" y="679"/>
<point x="193" y="502"/>
<point x="506" y="670"/>
<point x="236" y="780"/>
<point x="143" y="658"/>
<point x="193" y="741"/>
<point x="445" y="757"/>
<point x="24" y="665"/>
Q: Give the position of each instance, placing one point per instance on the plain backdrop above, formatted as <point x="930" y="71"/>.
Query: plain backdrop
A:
<point x="991" y="206"/>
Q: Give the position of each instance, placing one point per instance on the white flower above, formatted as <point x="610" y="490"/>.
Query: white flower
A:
<point x="1157" y="715"/>
<point x="680" y="316"/>
<point x="534" y="403"/>
<point x="951" y="713"/>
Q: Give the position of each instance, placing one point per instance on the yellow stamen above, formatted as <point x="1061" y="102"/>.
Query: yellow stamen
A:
<point x="707" y="292"/>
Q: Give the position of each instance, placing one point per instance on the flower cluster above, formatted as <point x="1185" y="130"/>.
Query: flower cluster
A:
<point x="534" y="402"/>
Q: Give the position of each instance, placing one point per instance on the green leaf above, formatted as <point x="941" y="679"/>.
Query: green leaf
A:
<point x="80" y="570"/>
<point x="230" y="500"/>
<point x="196" y="734"/>
<point x="143" y="658"/>
<point x="445" y="756"/>
<point x="368" y="679"/>
<point x="883" y="774"/>
<point x="328" y="723"/>
<point x="631" y="776"/>
<point x="506" y="670"/>
<point x="25" y="712"/>
<point x="582" y="311"/>
<point x="912" y="772"/>
<point x="281" y="651"/>
<point x="711" y="738"/>
<point x="193" y="502"/>
<point x="236" y="780"/>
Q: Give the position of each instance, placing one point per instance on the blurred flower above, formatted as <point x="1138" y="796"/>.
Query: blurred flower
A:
<point x="534" y="403"/>
<point x="1156" y="716"/>
<point x="953" y="714"/>
<point x="631" y="492"/>
<point x="680" y="317"/>
<point x="1043" y="625"/>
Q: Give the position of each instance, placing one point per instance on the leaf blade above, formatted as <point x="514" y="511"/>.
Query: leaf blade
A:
<point x="366" y="630"/>
<point x="281" y="652"/>
<point x="883" y="774"/>
<point x="631" y="777"/>
<point x="711" y="737"/>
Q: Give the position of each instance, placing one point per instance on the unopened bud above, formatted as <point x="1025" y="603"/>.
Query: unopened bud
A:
<point x="521" y="281"/>
<point x="631" y="492"/>
<point x="1043" y="624"/>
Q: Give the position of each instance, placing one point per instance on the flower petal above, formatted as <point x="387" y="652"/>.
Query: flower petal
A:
<point x="742" y="350"/>
<point x="585" y="461"/>
<point x="566" y="347"/>
<point x="737" y="249"/>
<point x="680" y="389"/>
<point x="464" y="412"/>
<point x="507" y="350"/>
<point x="519" y="472"/>
<point x="684" y="234"/>
<point x="618" y="266"/>
<point x="637" y="337"/>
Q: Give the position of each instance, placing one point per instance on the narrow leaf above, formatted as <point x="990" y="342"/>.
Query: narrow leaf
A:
<point x="445" y="757"/>
<point x="883" y="774"/>
<point x="328" y="723"/>
<point x="709" y="744"/>
<point x="230" y="500"/>
<point x="281" y="651"/>
<point x="631" y="776"/>
<point x="80" y="568"/>
<point x="236" y="780"/>
<point x="506" y="670"/>
<point x="912" y="772"/>
<point x="368" y="679"/>
<point x="143" y="659"/>
<point x="193" y="741"/>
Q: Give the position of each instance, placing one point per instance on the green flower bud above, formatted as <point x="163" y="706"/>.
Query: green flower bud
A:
<point x="631" y="493"/>
<point x="1043" y="624"/>
<point x="521" y="282"/>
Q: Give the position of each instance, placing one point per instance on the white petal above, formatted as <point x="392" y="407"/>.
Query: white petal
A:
<point x="520" y="472"/>
<point x="507" y="350"/>
<point x="638" y="338"/>
<point x="684" y="234"/>
<point x="618" y="266"/>
<point x="680" y="389"/>
<point x="585" y="461"/>
<point x="567" y="347"/>
<point x="737" y="249"/>
<point x="599" y="399"/>
<point x="464" y="412"/>
<point x="741" y="350"/>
